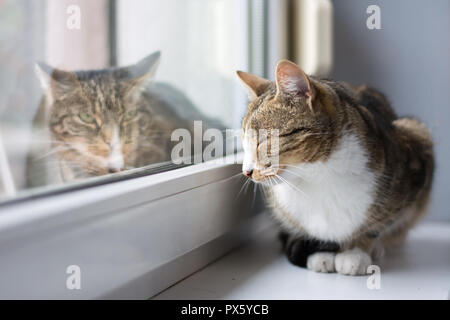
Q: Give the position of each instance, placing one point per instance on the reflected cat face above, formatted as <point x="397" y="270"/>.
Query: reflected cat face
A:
<point x="97" y="118"/>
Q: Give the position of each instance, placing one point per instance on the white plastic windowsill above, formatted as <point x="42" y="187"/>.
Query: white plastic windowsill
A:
<point x="131" y="239"/>
<point x="418" y="270"/>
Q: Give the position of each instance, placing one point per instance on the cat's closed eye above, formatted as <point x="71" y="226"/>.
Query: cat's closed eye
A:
<point x="292" y="132"/>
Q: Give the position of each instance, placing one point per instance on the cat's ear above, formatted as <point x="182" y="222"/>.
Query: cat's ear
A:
<point x="137" y="77"/>
<point x="255" y="85"/>
<point x="292" y="81"/>
<point x="143" y="72"/>
<point x="54" y="81"/>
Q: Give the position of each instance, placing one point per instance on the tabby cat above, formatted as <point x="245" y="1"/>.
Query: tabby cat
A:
<point x="96" y="122"/>
<point x="352" y="177"/>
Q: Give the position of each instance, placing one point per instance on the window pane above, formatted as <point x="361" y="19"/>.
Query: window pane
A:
<point x="21" y="43"/>
<point x="92" y="91"/>
<point x="203" y="43"/>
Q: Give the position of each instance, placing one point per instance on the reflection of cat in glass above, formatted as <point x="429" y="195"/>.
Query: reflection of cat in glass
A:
<point x="92" y="123"/>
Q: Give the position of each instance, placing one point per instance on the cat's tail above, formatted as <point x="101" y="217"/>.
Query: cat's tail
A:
<point x="415" y="130"/>
<point x="417" y="142"/>
<point x="416" y="137"/>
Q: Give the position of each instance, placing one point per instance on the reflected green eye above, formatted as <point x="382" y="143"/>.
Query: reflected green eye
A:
<point x="129" y="115"/>
<point x="86" y="117"/>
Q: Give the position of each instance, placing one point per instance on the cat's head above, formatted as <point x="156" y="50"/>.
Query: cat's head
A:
<point x="300" y="110"/>
<point x="95" y="116"/>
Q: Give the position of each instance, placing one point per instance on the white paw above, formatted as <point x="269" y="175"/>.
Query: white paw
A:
<point x="352" y="262"/>
<point x="321" y="262"/>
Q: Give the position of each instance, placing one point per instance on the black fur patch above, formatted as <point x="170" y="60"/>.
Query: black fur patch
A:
<point x="298" y="250"/>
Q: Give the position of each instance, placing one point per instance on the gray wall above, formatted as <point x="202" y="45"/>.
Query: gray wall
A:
<point x="409" y="60"/>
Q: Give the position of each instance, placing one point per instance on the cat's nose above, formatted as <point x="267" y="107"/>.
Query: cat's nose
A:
<point x="113" y="170"/>
<point x="248" y="173"/>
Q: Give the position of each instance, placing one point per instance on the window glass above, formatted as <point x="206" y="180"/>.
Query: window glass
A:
<point x="94" y="90"/>
<point x="21" y="43"/>
<point x="202" y="43"/>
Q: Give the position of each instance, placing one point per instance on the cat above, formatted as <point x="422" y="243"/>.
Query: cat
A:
<point x="96" y="122"/>
<point x="352" y="178"/>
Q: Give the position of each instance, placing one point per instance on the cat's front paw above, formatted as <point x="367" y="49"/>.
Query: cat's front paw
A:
<point x="321" y="262"/>
<point x="352" y="262"/>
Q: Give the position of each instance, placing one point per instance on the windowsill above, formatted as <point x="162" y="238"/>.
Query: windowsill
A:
<point x="418" y="270"/>
<point x="130" y="239"/>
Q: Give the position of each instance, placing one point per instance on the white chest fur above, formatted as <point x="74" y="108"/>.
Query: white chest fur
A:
<point x="331" y="199"/>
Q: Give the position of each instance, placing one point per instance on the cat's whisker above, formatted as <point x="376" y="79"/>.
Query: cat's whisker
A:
<point x="242" y="188"/>
<point x="249" y="182"/>
<point x="294" y="173"/>
<point x="59" y="161"/>
<point x="233" y="176"/>
<point x="51" y="152"/>
<point x="255" y="187"/>
<point x="272" y="181"/>
<point x="163" y="131"/>
<point x="168" y="134"/>
<point x="31" y="140"/>
<point x="285" y="165"/>
<point x="262" y="191"/>
<point x="291" y="185"/>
